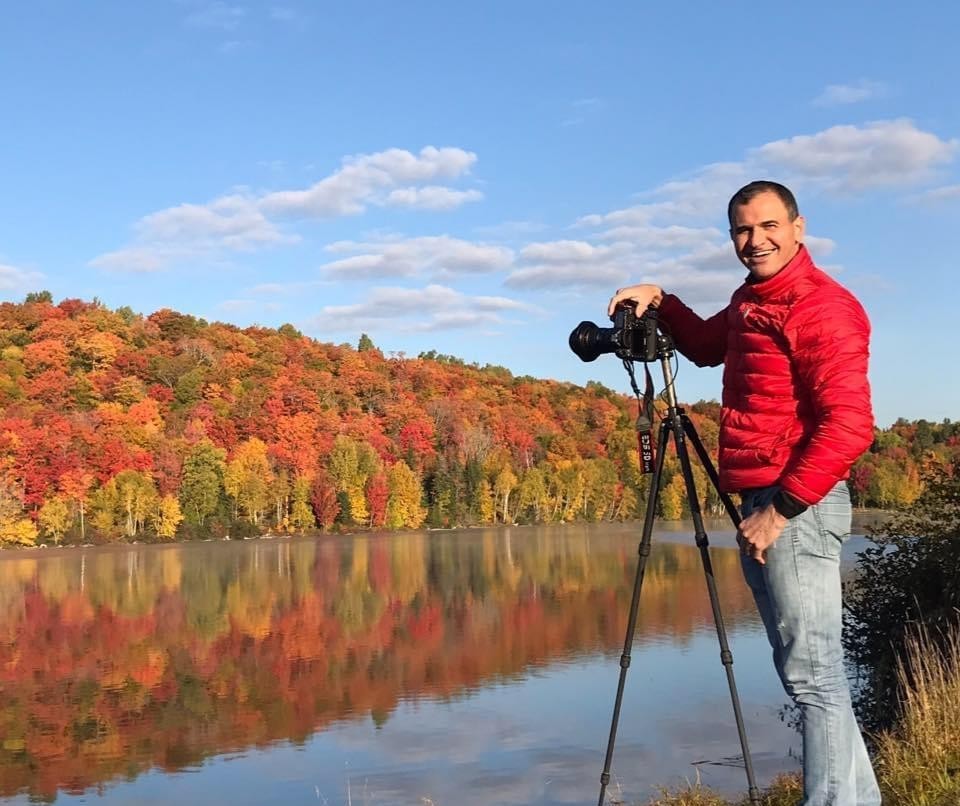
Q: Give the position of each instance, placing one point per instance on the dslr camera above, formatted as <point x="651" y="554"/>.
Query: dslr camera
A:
<point x="632" y="337"/>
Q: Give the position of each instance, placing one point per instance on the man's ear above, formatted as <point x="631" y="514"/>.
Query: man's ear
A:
<point x="800" y="226"/>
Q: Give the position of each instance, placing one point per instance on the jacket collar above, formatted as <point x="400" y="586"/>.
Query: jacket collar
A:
<point x="799" y="266"/>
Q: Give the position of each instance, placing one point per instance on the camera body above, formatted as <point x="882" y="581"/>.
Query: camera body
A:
<point x="632" y="337"/>
<point x="637" y="334"/>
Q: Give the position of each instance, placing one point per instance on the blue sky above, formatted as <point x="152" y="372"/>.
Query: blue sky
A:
<point x="478" y="178"/>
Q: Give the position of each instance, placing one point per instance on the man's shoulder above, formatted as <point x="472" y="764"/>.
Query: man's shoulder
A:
<point x="819" y="288"/>
<point x="821" y="298"/>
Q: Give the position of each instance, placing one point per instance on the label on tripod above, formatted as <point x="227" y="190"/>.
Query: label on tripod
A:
<point x="645" y="439"/>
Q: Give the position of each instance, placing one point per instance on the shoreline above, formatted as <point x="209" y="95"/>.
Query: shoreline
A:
<point x="719" y="530"/>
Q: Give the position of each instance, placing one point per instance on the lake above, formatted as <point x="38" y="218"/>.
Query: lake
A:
<point x="469" y="667"/>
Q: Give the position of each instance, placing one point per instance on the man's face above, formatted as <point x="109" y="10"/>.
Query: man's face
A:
<point x="764" y="236"/>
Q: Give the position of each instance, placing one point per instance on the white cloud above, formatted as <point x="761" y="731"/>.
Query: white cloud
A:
<point x="854" y="93"/>
<point x="510" y="229"/>
<point x="709" y="257"/>
<point x="570" y="264"/>
<point x="856" y="158"/>
<point x="233" y="222"/>
<point x="435" y="307"/>
<point x="367" y="179"/>
<point x="660" y="239"/>
<point x="432" y="197"/>
<point x="230" y="223"/>
<point x="819" y="247"/>
<point x="841" y="159"/>
<point x="563" y="251"/>
<point x="435" y="256"/>
<point x="639" y="254"/>
<point x="554" y="276"/>
<point x="691" y="200"/>
<point x="667" y="237"/>
<point x="945" y="193"/>
<point x="137" y="259"/>
<point x="13" y="278"/>
<point x="242" y="221"/>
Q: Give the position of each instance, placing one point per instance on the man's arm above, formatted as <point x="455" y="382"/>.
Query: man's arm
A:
<point x="703" y="341"/>
<point x="829" y="342"/>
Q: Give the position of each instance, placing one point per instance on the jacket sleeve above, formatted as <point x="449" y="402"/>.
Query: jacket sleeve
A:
<point x="829" y="339"/>
<point x="703" y="341"/>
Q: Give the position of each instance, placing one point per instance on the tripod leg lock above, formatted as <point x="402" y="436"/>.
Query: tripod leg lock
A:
<point x="624" y="661"/>
<point x="726" y="657"/>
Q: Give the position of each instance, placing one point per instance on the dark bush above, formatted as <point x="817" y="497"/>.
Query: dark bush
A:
<point x="908" y="579"/>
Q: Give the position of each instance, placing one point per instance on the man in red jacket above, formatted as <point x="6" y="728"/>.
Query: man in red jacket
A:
<point x="796" y="415"/>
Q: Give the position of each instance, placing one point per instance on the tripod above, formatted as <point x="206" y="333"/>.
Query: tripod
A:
<point x="679" y="425"/>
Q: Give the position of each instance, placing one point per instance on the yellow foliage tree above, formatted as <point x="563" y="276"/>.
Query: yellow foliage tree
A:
<point x="54" y="517"/>
<point x="22" y="532"/>
<point x="403" y="505"/>
<point x="486" y="507"/>
<point x="167" y="517"/>
<point x="14" y="527"/>
<point x="671" y="499"/>
<point x="503" y="485"/>
<point x="248" y="478"/>
<point x="137" y="496"/>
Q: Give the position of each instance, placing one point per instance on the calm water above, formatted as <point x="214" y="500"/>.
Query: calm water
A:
<point x="475" y="667"/>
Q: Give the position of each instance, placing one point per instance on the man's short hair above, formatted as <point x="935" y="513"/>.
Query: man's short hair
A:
<point x="748" y="192"/>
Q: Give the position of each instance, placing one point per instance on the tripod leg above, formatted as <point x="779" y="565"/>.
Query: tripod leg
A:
<point x="694" y="438"/>
<point x="726" y="656"/>
<point x="644" y="552"/>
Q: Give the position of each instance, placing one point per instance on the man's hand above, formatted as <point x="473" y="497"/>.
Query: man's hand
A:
<point x="640" y="295"/>
<point x="759" y="531"/>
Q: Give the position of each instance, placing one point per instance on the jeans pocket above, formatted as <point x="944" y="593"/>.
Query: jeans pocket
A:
<point x="832" y="515"/>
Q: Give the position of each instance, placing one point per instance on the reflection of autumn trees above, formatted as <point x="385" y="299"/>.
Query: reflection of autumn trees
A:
<point x="117" y="660"/>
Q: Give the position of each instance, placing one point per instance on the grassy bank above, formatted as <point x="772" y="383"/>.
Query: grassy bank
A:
<point x="917" y="763"/>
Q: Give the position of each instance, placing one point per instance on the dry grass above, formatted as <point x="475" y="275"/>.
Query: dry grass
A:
<point x="918" y="763"/>
<point x="784" y="791"/>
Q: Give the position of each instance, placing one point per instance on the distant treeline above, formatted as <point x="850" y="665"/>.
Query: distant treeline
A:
<point x="116" y="426"/>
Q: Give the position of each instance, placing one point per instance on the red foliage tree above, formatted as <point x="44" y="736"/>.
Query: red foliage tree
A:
<point x="323" y="499"/>
<point x="378" y="491"/>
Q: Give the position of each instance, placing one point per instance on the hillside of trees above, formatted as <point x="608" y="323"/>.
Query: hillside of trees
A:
<point x="117" y="426"/>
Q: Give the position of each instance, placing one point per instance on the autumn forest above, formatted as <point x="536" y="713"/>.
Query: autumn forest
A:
<point x="120" y="427"/>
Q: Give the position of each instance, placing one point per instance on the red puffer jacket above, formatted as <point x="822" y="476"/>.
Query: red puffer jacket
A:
<point x="796" y="400"/>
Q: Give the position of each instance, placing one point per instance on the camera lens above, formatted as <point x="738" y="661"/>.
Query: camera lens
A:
<point x="588" y="341"/>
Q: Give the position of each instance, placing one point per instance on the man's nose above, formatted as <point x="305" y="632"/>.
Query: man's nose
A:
<point x="757" y="237"/>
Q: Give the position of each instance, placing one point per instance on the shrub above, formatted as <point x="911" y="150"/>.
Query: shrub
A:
<point x="909" y="579"/>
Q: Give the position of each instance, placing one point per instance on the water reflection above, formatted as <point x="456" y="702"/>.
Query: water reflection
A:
<point x="115" y="662"/>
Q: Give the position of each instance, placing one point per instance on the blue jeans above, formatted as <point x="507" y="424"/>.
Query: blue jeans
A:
<point x="798" y="595"/>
